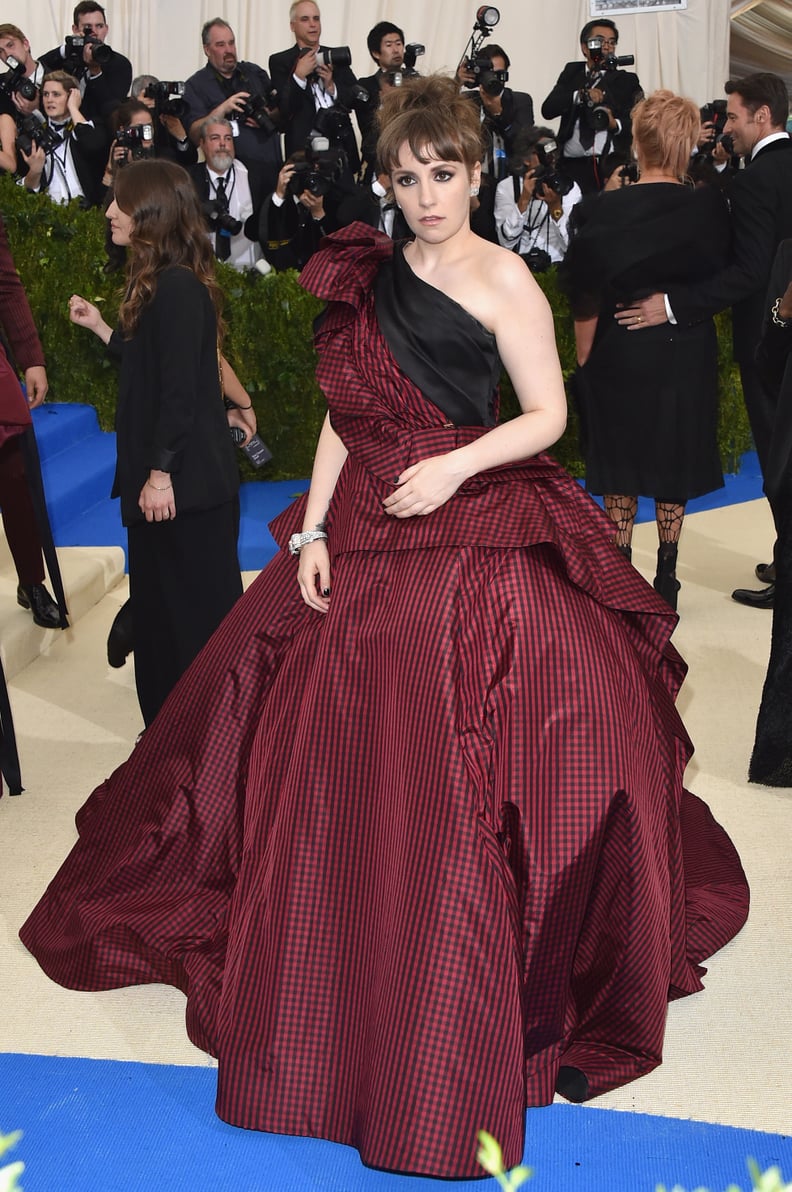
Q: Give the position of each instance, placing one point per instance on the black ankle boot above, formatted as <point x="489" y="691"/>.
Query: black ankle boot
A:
<point x="120" y="642"/>
<point x="666" y="583"/>
<point x="626" y="551"/>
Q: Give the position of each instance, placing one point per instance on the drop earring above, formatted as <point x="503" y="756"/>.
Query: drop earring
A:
<point x="473" y="191"/>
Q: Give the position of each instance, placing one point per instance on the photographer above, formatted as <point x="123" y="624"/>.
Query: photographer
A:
<point x="64" y="152"/>
<point x="533" y="205"/>
<point x="104" y="75"/>
<point x="19" y="88"/>
<point x="241" y="93"/>
<point x="294" y="218"/>
<point x="504" y="113"/>
<point x="309" y="77"/>
<point x="166" y="103"/>
<point x="229" y="197"/>
<point x="395" y="64"/>
<point x="594" y="100"/>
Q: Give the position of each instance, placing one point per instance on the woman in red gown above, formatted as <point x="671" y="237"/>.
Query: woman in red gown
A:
<point x="411" y="836"/>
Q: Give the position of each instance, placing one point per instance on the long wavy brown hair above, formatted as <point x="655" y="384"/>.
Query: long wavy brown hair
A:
<point x="168" y="228"/>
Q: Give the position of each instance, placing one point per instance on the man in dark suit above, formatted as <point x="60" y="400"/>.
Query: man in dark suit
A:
<point x="306" y="84"/>
<point x="505" y="113"/>
<point x="14" y="44"/>
<point x="760" y="197"/>
<point x="103" y="84"/>
<point x="386" y="45"/>
<point x="583" y="89"/>
<point x="226" y="189"/>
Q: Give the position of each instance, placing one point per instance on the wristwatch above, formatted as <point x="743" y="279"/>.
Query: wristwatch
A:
<point x="298" y="541"/>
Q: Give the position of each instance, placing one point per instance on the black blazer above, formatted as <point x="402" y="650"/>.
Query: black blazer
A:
<point x="89" y="153"/>
<point x="622" y="91"/>
<point x="760" y="197"/>
<point x="297" y="106"/>
<point x="774" y="364"/>
<point x="170" y="412"/>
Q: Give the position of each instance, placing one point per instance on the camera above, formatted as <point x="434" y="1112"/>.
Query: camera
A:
<point x="220" y="219"/>
<point x="322" y="166"/>
<point x="337" y="56"/>
<point x="257" y="108"/>
<point x="34" y="130"/>
<point x="606" y="62"/>
<point x="168" y="98"/>
<point x="629" y="173"/>
<point x="714" y="113"/>
<point x="491" y="81"/>
<point x="13" y="82"/>
<point x="138" y="139"/>
<point x="74" y="51"/>
<point x="546" y="175"/>
<point x="537" y="260"/>
<point x="412" y="51"/>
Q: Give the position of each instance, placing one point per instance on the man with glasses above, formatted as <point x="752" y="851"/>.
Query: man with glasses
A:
<point x="594" y="100"/>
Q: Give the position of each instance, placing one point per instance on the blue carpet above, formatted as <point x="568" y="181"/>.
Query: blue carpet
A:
<point x="103" y="1126"/>
<point x="78" y="461"/>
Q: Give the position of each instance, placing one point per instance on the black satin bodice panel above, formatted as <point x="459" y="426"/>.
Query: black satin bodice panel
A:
<point x="439" y="345"/>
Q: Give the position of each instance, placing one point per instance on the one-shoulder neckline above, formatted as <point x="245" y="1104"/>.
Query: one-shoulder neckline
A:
<point x="436" y="290"/>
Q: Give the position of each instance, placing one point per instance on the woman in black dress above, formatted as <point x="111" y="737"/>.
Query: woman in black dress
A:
<point x="176" y="474"/>
<point x="648" y="403"/>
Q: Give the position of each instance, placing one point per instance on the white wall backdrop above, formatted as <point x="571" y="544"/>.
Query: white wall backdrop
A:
<point x="687" y="51"/>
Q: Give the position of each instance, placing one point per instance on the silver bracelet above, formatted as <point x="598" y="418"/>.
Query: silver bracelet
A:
<point x="298" y="541"/>
<point x="779" y="322"/>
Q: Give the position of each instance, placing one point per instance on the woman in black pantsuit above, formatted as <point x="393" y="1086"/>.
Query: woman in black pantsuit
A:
<point x="176" y="474"/>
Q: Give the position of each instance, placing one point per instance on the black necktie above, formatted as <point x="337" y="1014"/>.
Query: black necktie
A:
<point x="222" y="238"/>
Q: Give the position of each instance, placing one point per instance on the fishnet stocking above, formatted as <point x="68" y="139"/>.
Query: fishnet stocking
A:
<point x="622" y="510"/>
<point x="669" y="520"/>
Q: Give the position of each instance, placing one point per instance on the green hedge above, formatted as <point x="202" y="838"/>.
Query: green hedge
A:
<point x="61" y="250"/>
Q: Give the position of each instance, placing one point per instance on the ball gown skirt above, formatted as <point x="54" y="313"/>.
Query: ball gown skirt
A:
<point x="408" y="858"/>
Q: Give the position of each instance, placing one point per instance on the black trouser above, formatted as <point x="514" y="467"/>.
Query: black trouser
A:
<point x="19" y="518"/>
<point x="760" y="404"/>
<point x="183" y="579"/>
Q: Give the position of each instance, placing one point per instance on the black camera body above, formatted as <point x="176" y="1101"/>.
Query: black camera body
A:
<point x="34" y="131"/>
<point x="546" y="175"/>
<point x="537" y="260"/>
<point x="138" y="139"/>
<point x="258" y="108"/>
<point x="14" y="81"/>
<point x="491" y="81"/>
<point x="168" y="98"/>
<point x="220" y="219"/>
<point x="714" y="113"/>
<point x="323" y="166"/>
<point x="75" y="44"/>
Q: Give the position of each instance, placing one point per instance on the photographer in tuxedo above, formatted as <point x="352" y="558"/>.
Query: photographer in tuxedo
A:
<point x="306" y="83"/>
<point x="594" y="99"/>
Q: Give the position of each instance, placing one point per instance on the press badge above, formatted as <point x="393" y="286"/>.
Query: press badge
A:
<point x="234" y="127"/>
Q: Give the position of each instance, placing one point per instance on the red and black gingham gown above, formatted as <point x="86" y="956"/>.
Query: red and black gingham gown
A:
<point x="408" y="858"/>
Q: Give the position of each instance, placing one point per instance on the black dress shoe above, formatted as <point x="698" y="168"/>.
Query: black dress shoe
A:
<point x="765" y="573"/>
<point x="764" y="598"/>
<point x="37" y="599"/>
<point x="119" y="640"/>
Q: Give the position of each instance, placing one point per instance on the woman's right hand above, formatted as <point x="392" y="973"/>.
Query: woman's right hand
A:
<point x="313" y="575"/>
<point x="85" y="314"/>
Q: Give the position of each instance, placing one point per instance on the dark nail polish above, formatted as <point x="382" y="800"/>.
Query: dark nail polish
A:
<point x="325" y="591"/>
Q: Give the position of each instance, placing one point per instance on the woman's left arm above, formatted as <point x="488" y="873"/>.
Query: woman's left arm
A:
<point x="523" y="324"/>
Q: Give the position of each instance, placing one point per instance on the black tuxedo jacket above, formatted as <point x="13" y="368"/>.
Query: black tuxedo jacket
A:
<point x="297" y="107"/>
<point x="104" y="92"/>
<point x="774" y="362"/>
<point x="760" y="197"/>
<point x="89" y="145"/>
<point x="622" y="91"/>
